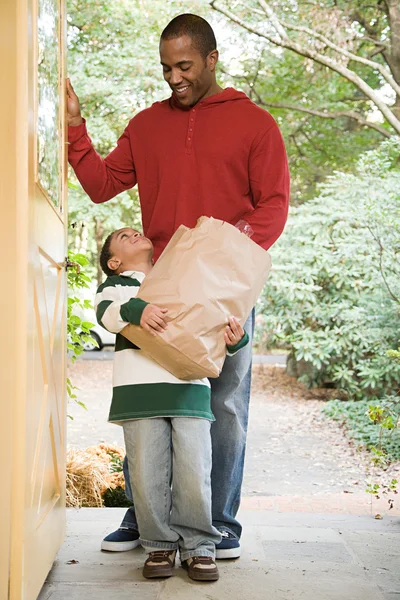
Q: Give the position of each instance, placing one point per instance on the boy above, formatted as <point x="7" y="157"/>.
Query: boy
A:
<point x="166" y="421"/>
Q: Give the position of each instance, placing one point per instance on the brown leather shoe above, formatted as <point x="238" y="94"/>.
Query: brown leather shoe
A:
<point x="201" y="568"/>
<point x="159" y="564"/>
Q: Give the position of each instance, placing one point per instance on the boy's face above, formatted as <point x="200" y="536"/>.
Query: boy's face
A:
<point x="128" y="247"/>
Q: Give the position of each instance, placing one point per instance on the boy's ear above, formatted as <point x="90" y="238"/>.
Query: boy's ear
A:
<point x="113" y="263"/>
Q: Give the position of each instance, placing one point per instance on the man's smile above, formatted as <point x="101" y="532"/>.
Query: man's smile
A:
<point x="182" y="89"/>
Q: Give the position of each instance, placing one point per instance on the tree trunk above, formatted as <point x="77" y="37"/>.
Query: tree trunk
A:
<point x="84" y="239"/>
<point x="98" y="234"/>
<point x="393" y="59"/>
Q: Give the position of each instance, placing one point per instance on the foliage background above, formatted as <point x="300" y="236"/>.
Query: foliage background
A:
<point x="329" y="72"/>
<point x="114" y="66"/>
<point x="333" y="296"/>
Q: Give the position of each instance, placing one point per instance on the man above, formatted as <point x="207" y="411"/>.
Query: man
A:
<point x="204" y="151"/>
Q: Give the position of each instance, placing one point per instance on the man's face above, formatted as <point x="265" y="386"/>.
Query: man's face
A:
<point x="187" y="73"/>
<point x="127" y="246"/>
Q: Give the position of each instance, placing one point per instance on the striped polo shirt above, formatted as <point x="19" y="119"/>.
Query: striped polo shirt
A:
<point x="141" y="387"/>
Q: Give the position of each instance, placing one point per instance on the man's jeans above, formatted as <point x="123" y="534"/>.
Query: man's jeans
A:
<point x="230" y="395"/>
<point x="177" y="450"/>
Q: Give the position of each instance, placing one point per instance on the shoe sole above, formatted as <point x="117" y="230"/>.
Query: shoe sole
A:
<point x="203" y="576"/>
<point x="150" y="574"/>
<point x="228" y="553"/>
<point x="119" y="546"/>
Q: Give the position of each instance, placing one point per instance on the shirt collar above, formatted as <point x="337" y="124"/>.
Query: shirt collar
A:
<point x="139" y="275"/>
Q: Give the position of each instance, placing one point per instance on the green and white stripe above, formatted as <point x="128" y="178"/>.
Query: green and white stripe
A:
<point x="141" y="387"/>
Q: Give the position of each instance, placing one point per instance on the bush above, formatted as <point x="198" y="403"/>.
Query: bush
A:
<point x="333" y="297"/>
<point x="356" y="417"/>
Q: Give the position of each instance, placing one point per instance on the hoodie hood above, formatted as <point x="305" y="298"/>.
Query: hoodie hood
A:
<point x="227" y="95"/>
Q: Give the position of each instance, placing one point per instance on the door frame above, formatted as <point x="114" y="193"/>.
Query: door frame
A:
<point x="13" y="243"/>
<point x="16" y="30"/>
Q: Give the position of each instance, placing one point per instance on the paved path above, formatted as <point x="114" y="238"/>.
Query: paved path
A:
<point x="284" y="557"/>
<point x="296" y="460"/>
<point x="108" y="351"/>
<point x="309" y="531"/>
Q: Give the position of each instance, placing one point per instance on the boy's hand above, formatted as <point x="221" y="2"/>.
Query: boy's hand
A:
<point x="153" y="319"/>
<point x="234" y="332"/>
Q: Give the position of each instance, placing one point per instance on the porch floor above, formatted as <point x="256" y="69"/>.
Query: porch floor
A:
<point x="285" y="556"/>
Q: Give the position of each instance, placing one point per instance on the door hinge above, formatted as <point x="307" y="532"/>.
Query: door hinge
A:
<point x="68" y="264"/>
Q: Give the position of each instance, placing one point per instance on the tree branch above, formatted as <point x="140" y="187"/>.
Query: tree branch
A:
<point x="319" y="58"/>
<point x="298" y="148"/>
<point x="356" y="16"/>
<point x="378" y="50"/>
<point x="277" y="24"/>
<point x="381" y="252"/>
<point x="349" y="114"/>
<point x="350" y="55"/>
<point x="372" y="41"/>
<point x="70" y="24"/>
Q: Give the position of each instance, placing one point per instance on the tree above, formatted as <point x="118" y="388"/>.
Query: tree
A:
<point x="286" y="63"/>
<point x="334" y="296"/>
<point x="351" y="38"/>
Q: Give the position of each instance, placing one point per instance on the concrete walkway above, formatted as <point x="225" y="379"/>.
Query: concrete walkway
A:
<point x="285" y="556"/>
<point x="296" y="460"/>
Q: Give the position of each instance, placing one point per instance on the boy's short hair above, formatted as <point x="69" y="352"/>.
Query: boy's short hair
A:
<point x="105" y="256"/>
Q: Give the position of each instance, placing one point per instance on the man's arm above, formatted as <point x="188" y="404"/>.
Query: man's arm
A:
<point x="270" y="186"/>
<point x="102" y="179"/>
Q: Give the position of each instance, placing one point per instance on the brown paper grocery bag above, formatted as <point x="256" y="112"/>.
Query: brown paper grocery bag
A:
<point x="203" y="276"/>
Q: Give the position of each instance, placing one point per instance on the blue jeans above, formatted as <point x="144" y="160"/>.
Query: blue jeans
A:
<point x="230" y="396"/>
<point x="177" y="449"/>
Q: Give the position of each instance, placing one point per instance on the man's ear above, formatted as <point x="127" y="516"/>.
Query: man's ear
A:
<point x="113" y="263"/>
<point x="212" y="60"/>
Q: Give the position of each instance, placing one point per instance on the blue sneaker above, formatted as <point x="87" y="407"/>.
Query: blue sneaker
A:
<point x="122" y="540"/>
<point x="229" y="546"/>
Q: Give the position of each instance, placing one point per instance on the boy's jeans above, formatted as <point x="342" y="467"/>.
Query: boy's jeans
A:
<point x="230" y="395"/>
<point x="177" y="450"/>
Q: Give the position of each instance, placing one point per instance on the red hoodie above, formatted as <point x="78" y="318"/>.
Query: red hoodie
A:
<point x="223" y="158"/>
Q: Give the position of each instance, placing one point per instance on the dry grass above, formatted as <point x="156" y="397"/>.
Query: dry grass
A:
<point x="280" y="385"/>
<point x="89" y="474"/>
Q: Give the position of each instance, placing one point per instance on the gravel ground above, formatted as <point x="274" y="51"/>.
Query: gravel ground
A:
<point x="292" y="448"/>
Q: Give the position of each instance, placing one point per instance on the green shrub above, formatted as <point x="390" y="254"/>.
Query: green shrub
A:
<point x="115" y="498"/>
<point x="333" y="297"/>
<point x="356" y="417"/>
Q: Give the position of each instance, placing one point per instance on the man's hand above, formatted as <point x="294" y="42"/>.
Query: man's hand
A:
<point x="234" y="332"/>
<point x="73" y="106"/>
<point x="153" y="319"/>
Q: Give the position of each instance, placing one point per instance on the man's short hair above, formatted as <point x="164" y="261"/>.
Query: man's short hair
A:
<point x="197" y="28"/>
<point x="105" y="256"/>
